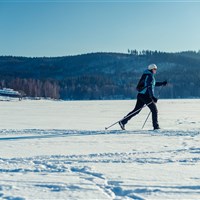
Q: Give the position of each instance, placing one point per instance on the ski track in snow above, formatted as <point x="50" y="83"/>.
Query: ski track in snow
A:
<point x="82" y="165"/>
<point x="44" y="133"/>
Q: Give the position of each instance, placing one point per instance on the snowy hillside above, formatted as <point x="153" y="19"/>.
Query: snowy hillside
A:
<point x="60" y="150"/>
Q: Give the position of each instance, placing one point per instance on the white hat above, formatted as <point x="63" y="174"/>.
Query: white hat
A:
<point x="152" y="66"/>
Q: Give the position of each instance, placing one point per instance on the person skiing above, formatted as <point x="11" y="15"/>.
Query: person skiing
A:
<point x="146" y="96"/>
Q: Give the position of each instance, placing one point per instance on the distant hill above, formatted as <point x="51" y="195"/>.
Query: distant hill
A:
<point x="100" y="75"/>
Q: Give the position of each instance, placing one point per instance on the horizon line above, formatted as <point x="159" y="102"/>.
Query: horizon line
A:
<point x="79" y="54"/>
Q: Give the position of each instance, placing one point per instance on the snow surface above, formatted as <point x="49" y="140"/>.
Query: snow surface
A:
<point x="60" y="150"/>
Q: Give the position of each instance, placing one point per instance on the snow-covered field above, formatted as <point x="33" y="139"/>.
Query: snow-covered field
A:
<point x="60" y="150"/>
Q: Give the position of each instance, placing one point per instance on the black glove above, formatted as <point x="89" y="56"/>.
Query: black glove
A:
<point x="154" y="99"/>
<point x="164" y="83"/>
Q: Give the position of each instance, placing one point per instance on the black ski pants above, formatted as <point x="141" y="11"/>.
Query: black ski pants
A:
<point x="143" y="99"/>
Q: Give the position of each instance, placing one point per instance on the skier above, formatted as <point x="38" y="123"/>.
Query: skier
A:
<point x="146" y="96"/>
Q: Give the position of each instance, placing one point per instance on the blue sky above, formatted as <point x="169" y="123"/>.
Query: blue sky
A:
<point x="59" y="28"/>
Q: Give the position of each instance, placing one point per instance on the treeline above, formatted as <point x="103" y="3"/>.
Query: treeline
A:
<point x="33" y="87"/>
<point x="73" y="88"/>
<point x="94" y="87"/>
<point x="101" y="75"/>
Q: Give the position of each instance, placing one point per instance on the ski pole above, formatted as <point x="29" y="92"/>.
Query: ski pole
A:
<point x="106" y="128"/>
<point x="150" y="111"/>
<point x="146" y="120"/>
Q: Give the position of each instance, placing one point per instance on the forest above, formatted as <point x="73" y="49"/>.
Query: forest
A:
<point x="102" y="75"/>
